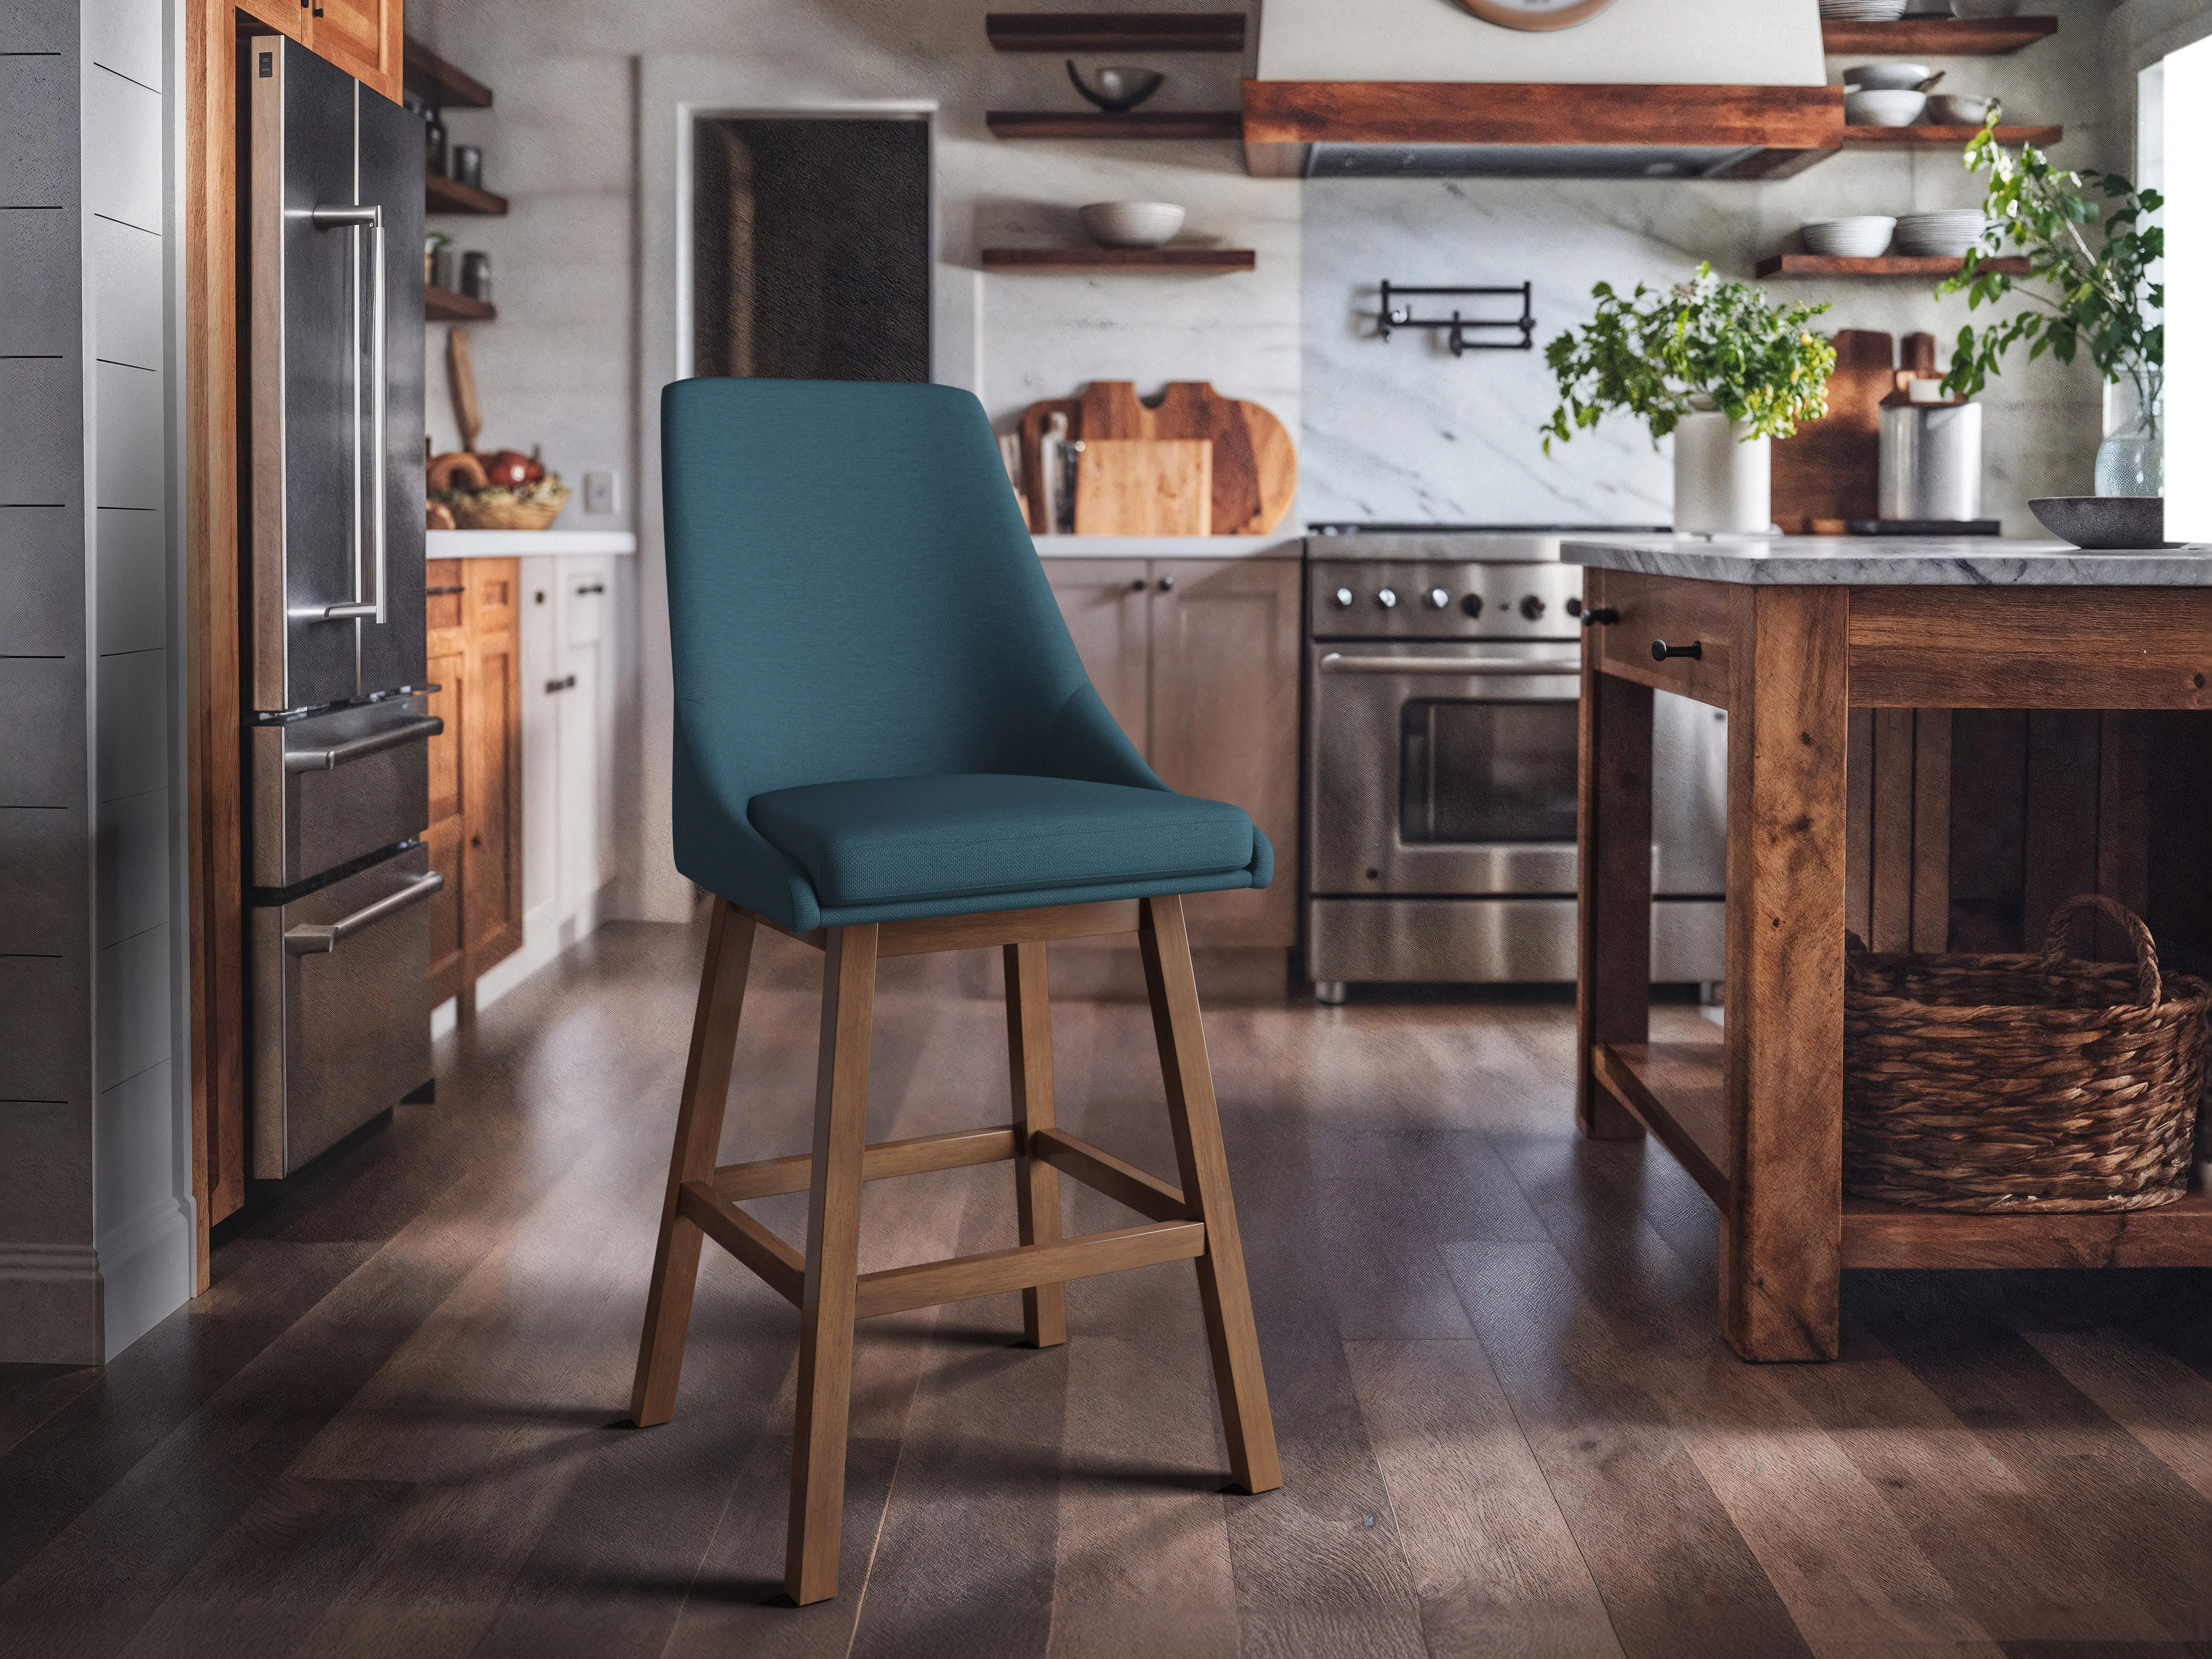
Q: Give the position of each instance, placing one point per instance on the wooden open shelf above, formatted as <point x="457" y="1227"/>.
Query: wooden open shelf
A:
<point x="1201" y="261"/>
<point x="1935" y="37"/>
<point x="436" y="82"/>
<point x="1931" y="138"/>
<point x="444" y="195"/>
<point x="1129" y="123"/>
<point x="1115" y="31"/>
<point x="1678" y="1090"/>
<point x="1888" y="264"/>
<point x="442" y="305"/>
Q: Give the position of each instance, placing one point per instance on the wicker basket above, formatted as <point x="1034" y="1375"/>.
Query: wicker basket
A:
<point x="533" y="507"/>
<point x="2021" y="1082"/>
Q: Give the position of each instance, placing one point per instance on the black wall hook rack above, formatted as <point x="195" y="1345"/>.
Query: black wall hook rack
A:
<point x="1460" y="339"/>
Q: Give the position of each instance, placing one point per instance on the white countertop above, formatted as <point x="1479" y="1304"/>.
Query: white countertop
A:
<point x="1169" y="547"/>
<point x="1892" y="562"/>
<point x="526" y="544"/>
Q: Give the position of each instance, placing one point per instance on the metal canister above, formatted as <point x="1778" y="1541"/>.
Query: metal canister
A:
<point x="1932" y="461"/>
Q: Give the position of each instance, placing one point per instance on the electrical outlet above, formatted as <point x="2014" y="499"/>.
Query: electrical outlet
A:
<point x="602" y="492"/>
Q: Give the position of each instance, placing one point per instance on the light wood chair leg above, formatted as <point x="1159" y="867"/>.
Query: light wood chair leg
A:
<point x="833" y="1266"/>
<point x="698" y="1138"/>
<point x="1037" y="1183"/>
<point x="1223" y="1291"/>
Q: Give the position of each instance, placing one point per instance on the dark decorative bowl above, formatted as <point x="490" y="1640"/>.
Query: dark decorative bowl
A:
<point x="2105" y="523"/>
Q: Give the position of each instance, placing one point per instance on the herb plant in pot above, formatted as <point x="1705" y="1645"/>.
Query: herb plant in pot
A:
<point x="2089" y="286"/>
<point x="1720" y="365"/>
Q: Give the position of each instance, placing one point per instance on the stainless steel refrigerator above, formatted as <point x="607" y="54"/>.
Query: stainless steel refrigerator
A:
<point x="336" y="719"/>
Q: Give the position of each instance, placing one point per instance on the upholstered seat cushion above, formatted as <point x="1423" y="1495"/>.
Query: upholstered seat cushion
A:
<point x="899" y="841"/>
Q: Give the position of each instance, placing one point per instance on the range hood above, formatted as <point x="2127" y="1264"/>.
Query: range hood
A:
<point x="1645" y="89"/>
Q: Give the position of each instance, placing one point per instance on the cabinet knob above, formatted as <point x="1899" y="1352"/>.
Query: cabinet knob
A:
<point x="1138" y="585"/>
<point x="1167" y="584"/>
<point x="1695" y="650"/>
<point x="1599" y="616"/>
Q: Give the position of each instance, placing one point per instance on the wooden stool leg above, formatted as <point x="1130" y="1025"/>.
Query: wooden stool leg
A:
<point x="1037" y="1183"/>
<point x="833" y="1266"/>
<point x="1222" y="1289"/>
<point x="698" y="1138"/>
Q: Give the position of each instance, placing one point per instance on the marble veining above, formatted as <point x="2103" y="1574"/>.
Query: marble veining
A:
<point x="1893" y="562"/>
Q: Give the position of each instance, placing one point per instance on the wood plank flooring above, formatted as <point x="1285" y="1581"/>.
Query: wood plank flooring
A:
<point x="1508" y="1425"/>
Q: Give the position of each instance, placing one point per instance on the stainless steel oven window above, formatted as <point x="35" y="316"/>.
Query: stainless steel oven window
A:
<point x="1485" y="771"/>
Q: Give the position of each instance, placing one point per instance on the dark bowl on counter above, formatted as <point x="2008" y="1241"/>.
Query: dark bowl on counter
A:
<point x="2105" y="523"/>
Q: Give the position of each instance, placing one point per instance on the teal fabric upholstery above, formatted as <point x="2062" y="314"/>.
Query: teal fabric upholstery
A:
<point x="880" y="713"/>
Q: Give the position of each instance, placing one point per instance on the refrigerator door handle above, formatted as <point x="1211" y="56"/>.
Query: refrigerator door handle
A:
<point x="307" y="940"/>
<point x="367" y="216"/>
<point x="340" y="754"/>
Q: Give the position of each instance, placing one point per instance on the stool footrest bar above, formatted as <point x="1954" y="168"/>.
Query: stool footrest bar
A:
<point x="956" y="1150"/>
<point x="1125" y="1183"/>
<point x="777" y="1262"/>
<point x="1026" y="1266"/>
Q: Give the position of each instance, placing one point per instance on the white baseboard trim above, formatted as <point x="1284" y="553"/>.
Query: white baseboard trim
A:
<point x="50" y="1305"/>
<point x="146" y="1270"/>
<point x="545" y="936"/>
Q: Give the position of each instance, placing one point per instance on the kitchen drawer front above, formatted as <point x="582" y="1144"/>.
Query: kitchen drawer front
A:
<point x="339" y="786"/>
<point x="339" y="1034"/>
<point x="1711" y="616"/>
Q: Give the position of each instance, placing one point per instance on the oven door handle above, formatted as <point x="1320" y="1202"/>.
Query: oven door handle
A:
<point x="1337" y="663"/>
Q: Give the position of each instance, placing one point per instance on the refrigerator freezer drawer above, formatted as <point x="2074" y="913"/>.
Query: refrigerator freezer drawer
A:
<point x="341" y="1008"/>
<point x="339" y="786"/>
<point x="1492" y="941"/>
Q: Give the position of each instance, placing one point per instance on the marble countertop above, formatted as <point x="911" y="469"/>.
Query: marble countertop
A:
<point x="524" y="543"/>
<point x="1169" y="547"/>
<point x="1893" y="560"/>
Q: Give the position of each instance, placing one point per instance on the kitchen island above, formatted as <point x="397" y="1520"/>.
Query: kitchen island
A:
<point x="1788" y="634"/>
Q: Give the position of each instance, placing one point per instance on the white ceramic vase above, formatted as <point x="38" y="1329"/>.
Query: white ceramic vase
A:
<point x="1721" y="484"/>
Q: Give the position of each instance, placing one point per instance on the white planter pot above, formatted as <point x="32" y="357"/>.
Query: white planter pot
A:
<point x="1721" y="484"/>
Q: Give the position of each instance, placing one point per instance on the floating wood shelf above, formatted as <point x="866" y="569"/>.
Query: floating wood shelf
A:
<point x="1129" y="123"/>
<point x="1115" y="31"/>
<point x="1199" y="259"/>
<point x="1935" y="37"/>
<point x="1888" y="264"/>
<point x="437" y="83"/>
<point x="444" y="195"/>
<point x="1928" y="138"/>
<point x="1677" y="1091"/>
<point x="442" y="305"/>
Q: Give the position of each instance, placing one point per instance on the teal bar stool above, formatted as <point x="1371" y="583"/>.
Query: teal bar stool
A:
<point x="885" y="744"/>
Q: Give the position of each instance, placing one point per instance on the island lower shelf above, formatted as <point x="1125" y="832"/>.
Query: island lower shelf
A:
<point x="1677" y="1091"/>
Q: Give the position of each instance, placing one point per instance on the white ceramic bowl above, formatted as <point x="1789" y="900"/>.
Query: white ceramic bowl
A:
<point x="1944" y="236"/>
<point x="1958" y="109"/>
<point x="1984" y="8"/>
<point x="1885" y="77"/>
<point x="1862" y="236"/>
<point x="1131" y="224"/>
<point x="1883" y="109"/>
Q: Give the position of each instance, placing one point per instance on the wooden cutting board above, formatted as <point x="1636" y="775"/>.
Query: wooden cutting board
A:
<point x="1144" y="486"/>
<point x="1830" y="470"/>
<point x="1255" y="465"/>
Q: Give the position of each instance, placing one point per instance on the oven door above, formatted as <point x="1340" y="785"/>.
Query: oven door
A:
<point x="1443" y="768"/>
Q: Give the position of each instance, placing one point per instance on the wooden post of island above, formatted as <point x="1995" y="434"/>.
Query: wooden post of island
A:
<point x="1788" y="634"/>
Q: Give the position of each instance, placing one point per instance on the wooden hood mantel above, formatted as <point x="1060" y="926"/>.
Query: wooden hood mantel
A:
<point x="1440" y="128"/>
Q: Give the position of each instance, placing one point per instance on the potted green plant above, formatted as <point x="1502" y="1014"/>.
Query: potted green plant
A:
<point x="1721" y="366"/>
<point x="2100" y="298"/>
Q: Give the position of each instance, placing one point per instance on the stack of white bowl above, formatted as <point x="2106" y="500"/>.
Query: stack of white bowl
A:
<point x="1944" y="236"/>
<point x="1862" y="236"/>
<point x="1862" y="12"/>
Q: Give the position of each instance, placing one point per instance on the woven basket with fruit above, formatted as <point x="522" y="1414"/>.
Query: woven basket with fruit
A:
<point x="508" y="490"/>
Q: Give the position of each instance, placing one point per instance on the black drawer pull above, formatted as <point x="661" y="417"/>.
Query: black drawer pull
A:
<point x="1599" y="617"/>
<point x="432" y="593"/>
<point x="1695" y="650"/>
<point x="595" y="587"/>
<point x="566" y="683"/>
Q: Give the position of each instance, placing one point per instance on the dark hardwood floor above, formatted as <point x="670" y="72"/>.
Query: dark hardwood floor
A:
<point x="394" y="1426"/>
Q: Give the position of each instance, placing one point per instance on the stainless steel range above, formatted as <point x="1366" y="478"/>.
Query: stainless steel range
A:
<point x="1443" y="675"/>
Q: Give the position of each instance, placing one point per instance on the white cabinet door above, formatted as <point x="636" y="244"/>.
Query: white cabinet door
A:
<point x="586" y="809"/>
<point x="541" y="741"/>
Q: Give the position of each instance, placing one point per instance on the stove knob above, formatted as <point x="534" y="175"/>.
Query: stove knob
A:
<point x="1438" y="598"/>
<point x="1344" y="599"/>
<point x="1472" y="604"/>
<point x="1532" y="607"/>
<point x="1387" y="599"/>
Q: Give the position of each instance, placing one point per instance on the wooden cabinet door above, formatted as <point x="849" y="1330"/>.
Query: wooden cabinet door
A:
<point x="288" y="17"/>
<point x="361" y="37"/>
<point x="447" y="642"/>
<point x="1104" y="603"/>
<point x="491" y="763"/>
<point x="1224" y="719"/>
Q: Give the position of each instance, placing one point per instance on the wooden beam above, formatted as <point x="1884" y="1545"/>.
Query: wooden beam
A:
<point x="1468" y="112"/>
<point x="1677" y="1092"/>
<point x="1100" y="1171"/>
<point x="764" y="1178"/>
<point x="2176" y="1235"/>
<point x="777" y="1262"/>
<point x="962" y="1278"/>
